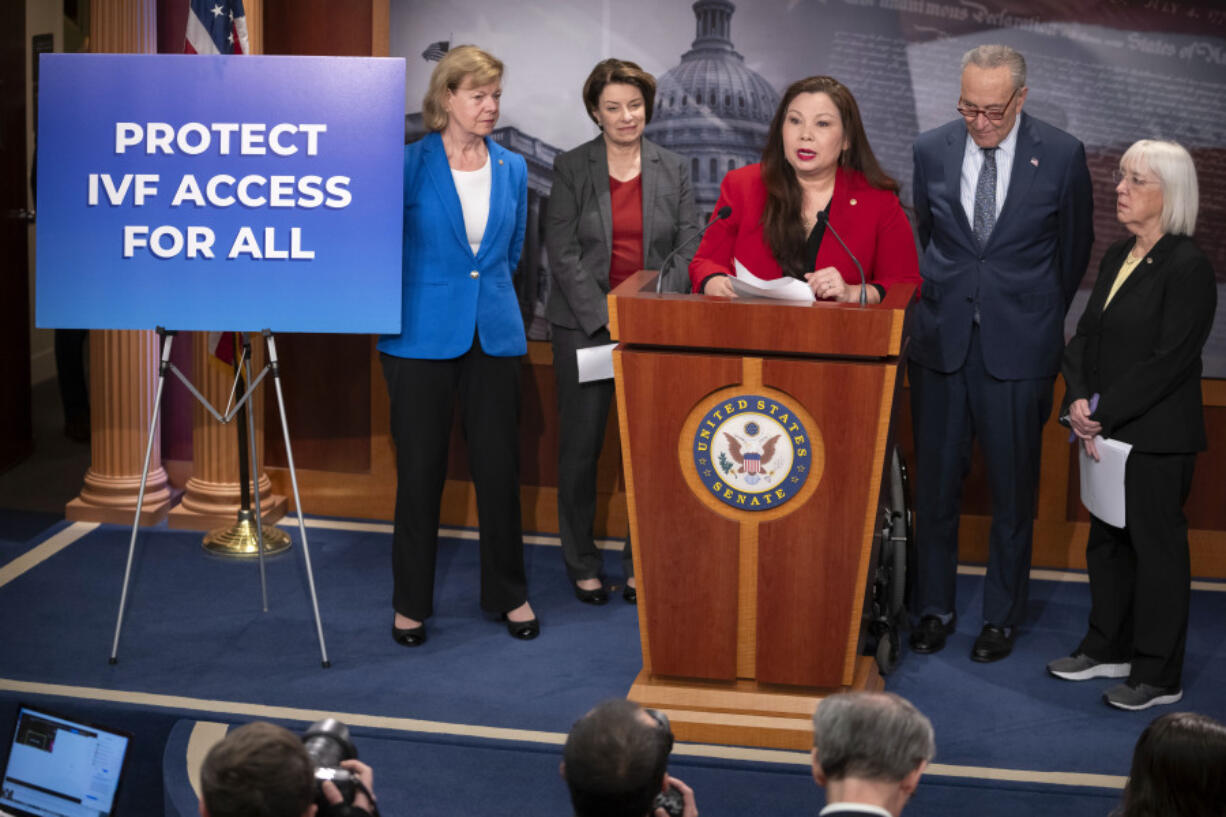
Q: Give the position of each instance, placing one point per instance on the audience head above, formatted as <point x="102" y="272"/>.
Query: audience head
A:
<point x="1178" y="769"/>
<point x="874" y="741"/>
<point x="615" y="759"/>
<point x="257" y="770"/>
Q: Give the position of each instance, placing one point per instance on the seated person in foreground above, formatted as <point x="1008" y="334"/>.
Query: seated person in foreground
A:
<point x="615" y="763"/>
<point x="818" y="177"/>
<point x="1177" y="769"/>
<point x="869" y="751"/>
<point x="263" y="770"/>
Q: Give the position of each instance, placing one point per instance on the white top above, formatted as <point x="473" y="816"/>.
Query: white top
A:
<point x="473" y="186"/>
<point x="972" y="163"/>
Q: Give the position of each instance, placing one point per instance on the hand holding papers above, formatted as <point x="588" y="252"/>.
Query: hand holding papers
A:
<point x="781" y="289"/>
<point x="1102" y="482"/>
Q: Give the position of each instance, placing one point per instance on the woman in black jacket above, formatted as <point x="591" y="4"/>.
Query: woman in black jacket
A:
<point x="1133" y="374"/>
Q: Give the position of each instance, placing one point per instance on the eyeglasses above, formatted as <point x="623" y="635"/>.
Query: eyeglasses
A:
<point x="1133" y="180"/>
<point x="994" y="113"/>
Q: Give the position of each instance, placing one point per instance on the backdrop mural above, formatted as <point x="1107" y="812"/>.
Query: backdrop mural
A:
<point x="1109" y="72"/>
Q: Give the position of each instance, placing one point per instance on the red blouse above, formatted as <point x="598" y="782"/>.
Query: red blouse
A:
<point x="627" y="204"/>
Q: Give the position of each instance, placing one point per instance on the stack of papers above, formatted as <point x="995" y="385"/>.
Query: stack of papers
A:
<point x="782" y="289"/>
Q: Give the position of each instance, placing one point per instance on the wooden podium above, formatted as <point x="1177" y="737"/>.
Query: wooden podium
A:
<point x="755" y="437"/>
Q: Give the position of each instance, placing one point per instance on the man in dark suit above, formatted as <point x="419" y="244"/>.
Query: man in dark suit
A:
<point x="869" y="751"/>
<point x="1004" y="207"/>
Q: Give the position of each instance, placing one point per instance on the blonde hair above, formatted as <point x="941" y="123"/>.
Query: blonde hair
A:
<point x="1173" y="166"/>
<point x="464" y="62"/>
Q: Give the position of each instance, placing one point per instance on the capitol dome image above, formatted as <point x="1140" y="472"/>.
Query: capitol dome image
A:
<point x="712" y="107"/>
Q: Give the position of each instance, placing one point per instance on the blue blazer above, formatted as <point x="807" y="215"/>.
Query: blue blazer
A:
<point x="1025" y="278"/>
<point x="449" y="293"/>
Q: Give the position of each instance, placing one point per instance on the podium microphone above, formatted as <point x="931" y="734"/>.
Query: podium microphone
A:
<point x="822" y="218"/>
<point x="720" y="214"/>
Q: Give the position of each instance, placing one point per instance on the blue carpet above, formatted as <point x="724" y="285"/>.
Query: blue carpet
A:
<point x="194" y="628"/>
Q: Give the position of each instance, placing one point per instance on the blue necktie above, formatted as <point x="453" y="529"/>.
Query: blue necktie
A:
<point x="985" y="198"/>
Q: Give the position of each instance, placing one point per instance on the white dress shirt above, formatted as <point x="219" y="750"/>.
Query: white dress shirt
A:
<point x="972" y="163"/>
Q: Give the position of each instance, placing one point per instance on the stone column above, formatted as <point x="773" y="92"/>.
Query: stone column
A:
<point x="123" y="380"/>
<point x="123" y="365"/>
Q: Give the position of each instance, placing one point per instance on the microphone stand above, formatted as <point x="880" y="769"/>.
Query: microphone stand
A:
<point x="824" y="219"/>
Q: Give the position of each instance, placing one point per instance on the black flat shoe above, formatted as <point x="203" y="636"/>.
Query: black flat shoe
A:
<point x="595" y="596"/>
<point x="630" y="594"/>
<point x="523" y="630"/>
<point x="409" y="636"/>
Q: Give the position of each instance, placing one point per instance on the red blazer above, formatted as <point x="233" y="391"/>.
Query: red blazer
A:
<point x="871" y="221"/>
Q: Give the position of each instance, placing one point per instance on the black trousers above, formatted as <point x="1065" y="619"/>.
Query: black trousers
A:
<point x="583" y="413"/>
<point x="1140" y="575"/>
<point x="423" y="395"/>
<point x="950" y="411"/>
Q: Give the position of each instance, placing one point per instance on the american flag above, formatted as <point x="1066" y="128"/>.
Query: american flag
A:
<point x="216" y="27"/>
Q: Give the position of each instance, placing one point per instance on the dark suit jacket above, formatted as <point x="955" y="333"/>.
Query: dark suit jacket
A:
<point x="1024" y="279"/>
<point x="871" y="221"/>
<point x="448" y="291"/>
<point x="579" y="229"/>
<point x="1142" y="353"/>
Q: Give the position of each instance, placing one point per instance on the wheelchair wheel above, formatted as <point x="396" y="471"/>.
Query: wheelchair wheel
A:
<point x="895" y="551"/>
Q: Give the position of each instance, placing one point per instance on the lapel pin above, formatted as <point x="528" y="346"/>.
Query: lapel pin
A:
<point x="853" y="202"/>
<point x="500" y="161"/>
<point x="1034" y="161"/>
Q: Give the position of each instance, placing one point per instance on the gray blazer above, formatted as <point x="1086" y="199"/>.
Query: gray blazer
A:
<point x="579" y="229"/>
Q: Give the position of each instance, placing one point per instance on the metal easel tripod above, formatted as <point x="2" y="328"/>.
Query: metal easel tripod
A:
<point x="166" y="337"/>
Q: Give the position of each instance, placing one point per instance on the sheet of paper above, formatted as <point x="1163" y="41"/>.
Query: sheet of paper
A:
<point x="1102" y="482"/>
<point x="782" y="289"/>
<point x="595" y="362"/>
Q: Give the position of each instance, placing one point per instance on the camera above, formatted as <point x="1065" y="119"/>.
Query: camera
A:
<point x="672" y="801"/>
<point x="327" y="743"/>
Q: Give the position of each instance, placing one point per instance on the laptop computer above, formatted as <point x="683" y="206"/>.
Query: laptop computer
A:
<point x="61" y="767"/>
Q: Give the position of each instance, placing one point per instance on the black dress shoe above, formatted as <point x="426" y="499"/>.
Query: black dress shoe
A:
<point x="630" y="594"/>
<point x="993" y="644"/>
<point x="595" y="596"/>
<point x="410" y="636"/>
<point x="929" y="636"/>
<point x="523" y="630"/>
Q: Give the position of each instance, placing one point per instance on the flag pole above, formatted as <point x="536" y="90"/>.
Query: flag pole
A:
<point x="242" y="539"/>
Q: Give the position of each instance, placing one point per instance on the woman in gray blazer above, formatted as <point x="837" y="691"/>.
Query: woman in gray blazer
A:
<point x="619" y="204"/>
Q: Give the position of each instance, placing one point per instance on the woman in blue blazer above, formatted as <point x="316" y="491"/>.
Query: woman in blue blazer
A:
<point x="465" y="210"/>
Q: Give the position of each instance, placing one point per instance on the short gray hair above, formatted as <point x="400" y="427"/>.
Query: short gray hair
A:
<point x="1172" y="164"/>
<point x="871" y="736"/>
<point x="994" y="56"/>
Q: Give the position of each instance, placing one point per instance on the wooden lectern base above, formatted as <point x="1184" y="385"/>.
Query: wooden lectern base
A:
<point x="744" y="713"/>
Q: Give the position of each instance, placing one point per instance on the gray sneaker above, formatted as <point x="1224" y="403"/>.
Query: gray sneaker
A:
<point x="1081" y="667"/>
<point x="1140" y="696"/>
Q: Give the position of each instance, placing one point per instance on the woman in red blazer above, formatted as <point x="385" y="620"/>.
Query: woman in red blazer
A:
<point x="817" y="160"/>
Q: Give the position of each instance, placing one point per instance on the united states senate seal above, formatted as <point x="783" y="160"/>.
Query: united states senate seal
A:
<point x="752" y="452"/>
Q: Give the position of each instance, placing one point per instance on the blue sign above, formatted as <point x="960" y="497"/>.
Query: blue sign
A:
<point x="220" y="192"/>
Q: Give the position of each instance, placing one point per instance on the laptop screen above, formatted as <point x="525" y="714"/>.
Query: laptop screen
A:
<point x="59" y="767"/>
